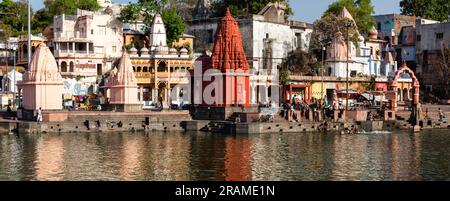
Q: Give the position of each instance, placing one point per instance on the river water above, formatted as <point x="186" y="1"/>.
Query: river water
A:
<point x="203" y="156"/>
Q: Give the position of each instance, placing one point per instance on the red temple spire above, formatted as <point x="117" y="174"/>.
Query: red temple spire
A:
<point x="228" y="52"/>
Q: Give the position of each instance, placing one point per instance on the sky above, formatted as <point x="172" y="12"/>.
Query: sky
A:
<point x="304" y="10"/>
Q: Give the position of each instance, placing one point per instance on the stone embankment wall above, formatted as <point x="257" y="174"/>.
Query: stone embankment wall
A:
<point x="109" y="122"/>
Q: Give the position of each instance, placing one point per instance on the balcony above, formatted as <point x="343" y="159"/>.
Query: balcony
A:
<point x="77" y="53"/>
<point x="144" y="77"/>
<point x="149" y="77"/>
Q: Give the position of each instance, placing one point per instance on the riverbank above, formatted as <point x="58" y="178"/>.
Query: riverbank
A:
<point x="176" y="120"/>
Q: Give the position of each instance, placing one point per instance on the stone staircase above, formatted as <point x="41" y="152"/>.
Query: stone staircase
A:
<point x="215" y="127"/>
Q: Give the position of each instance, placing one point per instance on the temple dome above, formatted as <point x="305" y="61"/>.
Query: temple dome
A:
<point x="373" y="33"/>
<point x="42" y="64"/>
<point x="173" y="51"/>
<point x="133" y="50"/>
<point x="361" y="39"/>
<point x="144" y="51"/>
<point x="162" y="50"/>
<point x="184" y="51"/>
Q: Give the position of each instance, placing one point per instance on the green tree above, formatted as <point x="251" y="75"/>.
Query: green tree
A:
<point x="91" y="5"/>
<point x="429" y="9"/>
<point x="326" y="27"/>
<point x="14" y="15"/>
<point x="174" y="24"/>
<point x="302" y="62"/>
<point x="361" y="10"/>
<point x="245" y="7"/>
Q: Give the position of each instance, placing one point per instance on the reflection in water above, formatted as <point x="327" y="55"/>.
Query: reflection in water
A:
<point x="237" y="159"/>
<point x="203" y="156"/>
<point x="50" y="159"/>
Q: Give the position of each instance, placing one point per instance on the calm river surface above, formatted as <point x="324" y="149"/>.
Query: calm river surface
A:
<point x="202" y="156"/>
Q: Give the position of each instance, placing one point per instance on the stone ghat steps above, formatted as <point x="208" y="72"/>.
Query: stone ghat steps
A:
<point x="130" y="118"/>
<point x="303" y="126"/>
<point x="93" y="127"/>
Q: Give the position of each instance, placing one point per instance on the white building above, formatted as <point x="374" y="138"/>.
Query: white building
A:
<point x="87" y="44"/>
<point x="365" y="59"/>
<point x="9" y="81"/>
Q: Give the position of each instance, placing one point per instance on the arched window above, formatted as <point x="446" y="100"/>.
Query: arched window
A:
<point x="162" y="67"/>
<point x="138" y="69"/>
<point x="144" y="69"/>
<point x="63" y="66"/>
<point x="71" y="67"/>
<point x="24" y="51"/>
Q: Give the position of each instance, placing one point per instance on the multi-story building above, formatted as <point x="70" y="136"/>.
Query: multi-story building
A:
<point x="389" y="26"/>
<point x="7" y="49"/>
<point x="432" y="40"/>
<point x="86" y="44"/>
<point x="160" y="68"/>
<point x="399" y="31"/>
<point x="267" y="38"/>
<point x="22" y="48"/>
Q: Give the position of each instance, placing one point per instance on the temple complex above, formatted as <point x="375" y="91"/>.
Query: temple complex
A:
<point x="159" y="68"/>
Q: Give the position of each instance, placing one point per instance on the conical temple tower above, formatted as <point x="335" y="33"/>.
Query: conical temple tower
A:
<point x="228" y="56"/>
<point x="42" y="85"/>
<point x="123" y="88"/>
<point x="231" y="79"/>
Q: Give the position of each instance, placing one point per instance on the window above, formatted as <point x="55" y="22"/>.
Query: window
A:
<point x="92" y="31"/>
<point x="71" y="67"/>
<point x="210" y="36"/>
<point x="114" y="49"/>
<point x="379" y="25"/>
<point x="63" y="66"/>
<point x="101" y="30"/>
<point x="114" y="30"/>
<point x="439" y="36"/>
<point x="419" y="37"/>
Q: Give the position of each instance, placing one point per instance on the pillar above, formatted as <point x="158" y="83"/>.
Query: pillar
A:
<point x="307" y="94"/>
<point x="387" y="69"/>
<point x="290" y="94"/>
<point x="154" y="94"/>
<point x="395" y="66"/>
<point x="394" y="101"/>
<point x="247" y="91"/>
<point x="87" y="48"/>
<point x="141" y="94"/>
<point x="73" y="47"/>
<point x="416" y="94"/>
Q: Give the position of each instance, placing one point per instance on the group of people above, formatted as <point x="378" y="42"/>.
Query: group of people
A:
<point x="318" y="107"/>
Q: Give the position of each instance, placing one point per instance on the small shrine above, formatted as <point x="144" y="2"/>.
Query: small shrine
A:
<point x="123" y="88"/>
<point x="42" y="84"/>
<point x="41" y="88"/>
<point x="231" y="94"/>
